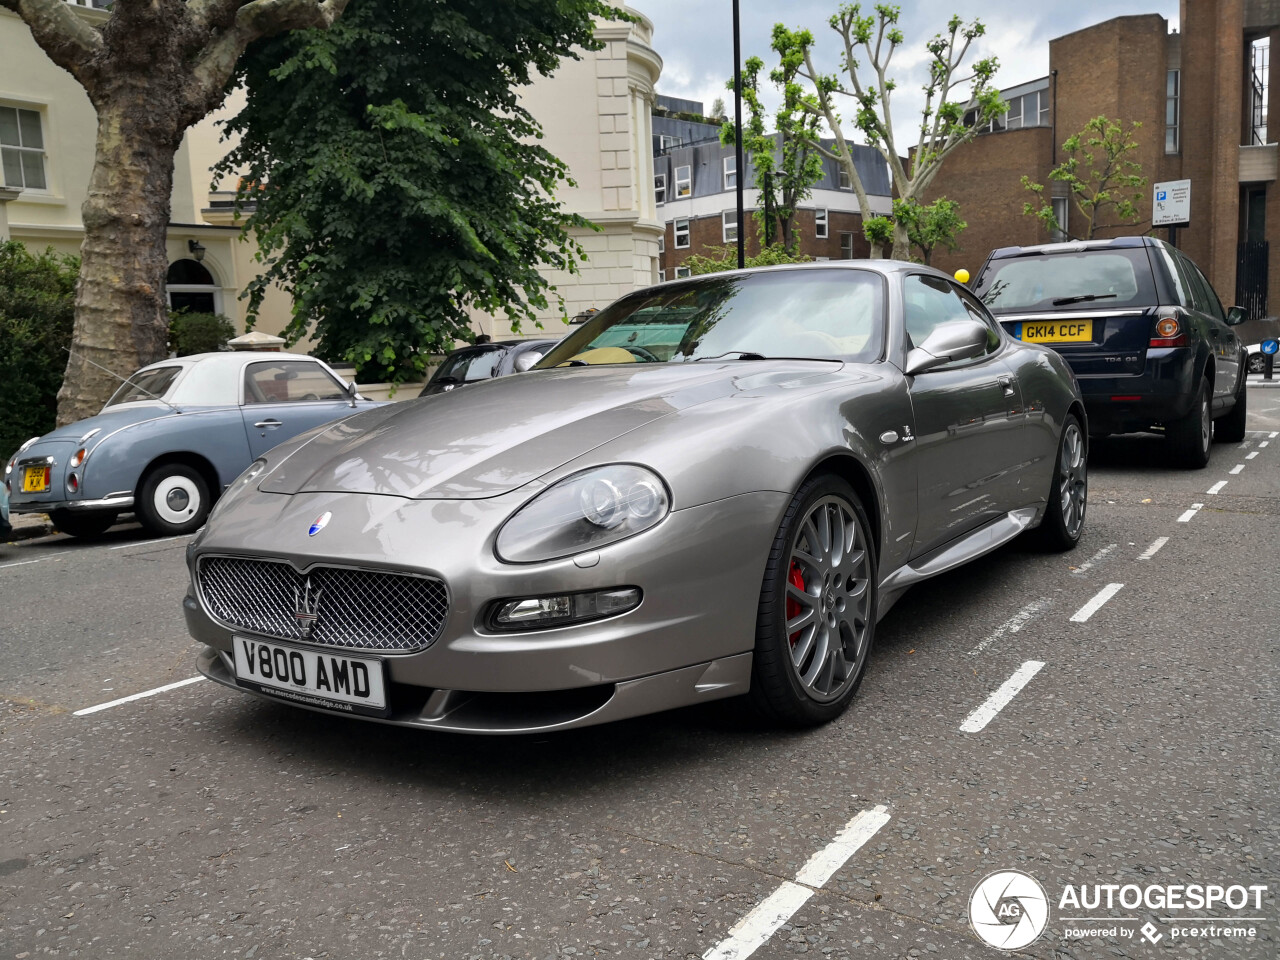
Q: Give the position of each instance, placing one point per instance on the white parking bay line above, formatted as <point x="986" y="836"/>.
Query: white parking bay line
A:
<point x="1263" y="444"/>
<point x="1273" y="434"/>
<point x="148" y="543"/>
<point x="1096" y="558"/>
<point x="137" y="696"/>
<point x="1186" y="517"/>
<point x="1152" y="550"/>
<point x="20" y="563"/>
<point x="1250" y="456"/>
<point x="1000" y="699"/>
<point x="1012" y="625"/>
<point x="754" y="930"/>
<point x="1236" y="469"/>
<point x="1094" y="605"/>
<point x="1217" y="487"/>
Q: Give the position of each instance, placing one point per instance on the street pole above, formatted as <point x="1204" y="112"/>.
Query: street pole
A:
<point x="737" y="128"/>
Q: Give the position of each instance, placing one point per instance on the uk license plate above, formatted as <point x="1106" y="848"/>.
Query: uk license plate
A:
<point x="318" y="678"/>
<point x="35" y="480"/>
<point x="1056" y="331"/>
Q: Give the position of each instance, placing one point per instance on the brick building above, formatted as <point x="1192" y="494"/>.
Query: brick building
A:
<point x="695" y="186"/>
<point x="1202" y="96"/>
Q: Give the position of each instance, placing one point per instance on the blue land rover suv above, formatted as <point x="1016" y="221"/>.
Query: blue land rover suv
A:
<point x="1140" y="326"/>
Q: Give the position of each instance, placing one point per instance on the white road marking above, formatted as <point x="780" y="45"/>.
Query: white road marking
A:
<point x="1244" y="443"/>
<point x="147" y="543"/>
<point x="1273" y="434"/>
<point x="1096" y="558"/>
<point x="1000" y="699"/>
<point x="1186" y="517"/>
<point x="19" y="563"/>
<point x="1250" y="456"/>
<point x="1217" y="487"/>
<point x="1264" y="443"/>
<point x="823" y="864"/>
<point x="1094" y="605"/>
<point x="1152" y="550"/>
<point x="1012" y="625"/>
<point x="137" y="696"/>
<point x="754" y="930"/>
<point x="1236" y="469"/>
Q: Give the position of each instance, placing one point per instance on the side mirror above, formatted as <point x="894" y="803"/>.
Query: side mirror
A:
<point x="352" y="392"/>
<point x="526" y="361"/>
<point x="1236" y="316"/>
<point x="954" y="340"/>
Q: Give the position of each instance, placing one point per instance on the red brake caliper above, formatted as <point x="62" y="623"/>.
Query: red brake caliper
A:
<point x="796" y="579"/>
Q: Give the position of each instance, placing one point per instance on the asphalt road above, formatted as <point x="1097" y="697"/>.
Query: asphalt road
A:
<point x="1140" y="750"/>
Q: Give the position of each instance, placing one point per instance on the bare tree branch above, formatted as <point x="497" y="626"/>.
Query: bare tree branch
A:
<point x="69" y="40"/>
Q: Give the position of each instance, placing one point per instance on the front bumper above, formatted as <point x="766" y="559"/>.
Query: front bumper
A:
<point x="690" y="640"/>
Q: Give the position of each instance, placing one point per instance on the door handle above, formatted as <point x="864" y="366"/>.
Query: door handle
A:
<point x="263" y="424"/>
<point x="1006" y="384"/>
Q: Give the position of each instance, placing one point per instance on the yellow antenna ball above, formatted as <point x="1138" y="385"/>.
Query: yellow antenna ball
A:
<point x="962" y="275"/>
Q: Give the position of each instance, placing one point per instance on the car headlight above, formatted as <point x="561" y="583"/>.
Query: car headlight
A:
<point x="237" y="486"/>
<point x="583" y="512"/>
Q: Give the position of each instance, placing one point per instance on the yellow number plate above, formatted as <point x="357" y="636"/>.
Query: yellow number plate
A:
<point x="35" y="480"/>
<point x="1056" y="331"/>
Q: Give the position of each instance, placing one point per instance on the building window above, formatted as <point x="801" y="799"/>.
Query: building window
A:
<point x="842" y="178"/>
<point x="682" y="234"/>
<point x="682" y="272"/>
<point x="729" y="226"/>
<point x="1172" y="111"/>
<point x="22" y="149"/>
<point x="731" y="173"/>
<point x="666" y="142"/>
<point x="660" y="189"/>
<point x="1260" y="61"/>
<point x="846" y="246"/>
<point x="684" y="181"/>
<point x="190" y="286"/>
<point x="662" y="244"/>
<point x="820" y="223"/>
<point x="1061" y="213"/>
<point x="662" y="276"/>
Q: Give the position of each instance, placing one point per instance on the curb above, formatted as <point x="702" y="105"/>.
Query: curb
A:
<point x="28" y="527"/>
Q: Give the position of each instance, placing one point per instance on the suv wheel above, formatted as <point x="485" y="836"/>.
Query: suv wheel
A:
<point x="1191" y="435"/>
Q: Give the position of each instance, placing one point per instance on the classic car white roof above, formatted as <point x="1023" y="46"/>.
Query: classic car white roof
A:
<point x="214" y="379"/>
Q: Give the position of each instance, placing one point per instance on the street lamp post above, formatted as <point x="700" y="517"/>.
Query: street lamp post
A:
<point x="737" y="130"/>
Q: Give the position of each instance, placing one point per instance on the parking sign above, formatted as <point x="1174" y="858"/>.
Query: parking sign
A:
<point x="1171" y="204"/>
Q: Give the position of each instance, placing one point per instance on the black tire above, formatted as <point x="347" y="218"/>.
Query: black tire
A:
<point x="834" y="645"/>
<point x="1257" y="363"/>
<point x="1231" y="428"/>
<point x="1192" y="435"/>
<point x="172" y="500"/>
<point x="85" y="525"/>
<point x="1064" y="514"/>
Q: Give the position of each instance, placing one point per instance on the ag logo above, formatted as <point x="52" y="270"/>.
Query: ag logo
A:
<point x="1008" y="910"/>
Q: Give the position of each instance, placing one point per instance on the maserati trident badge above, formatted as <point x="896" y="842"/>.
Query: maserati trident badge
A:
<point x="306" y="608"/>
<point x="319" y="523"/>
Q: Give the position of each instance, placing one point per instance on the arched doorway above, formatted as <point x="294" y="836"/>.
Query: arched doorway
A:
<point x="191" y="287"/>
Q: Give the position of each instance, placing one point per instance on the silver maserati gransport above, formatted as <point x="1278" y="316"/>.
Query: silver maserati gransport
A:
<point x="714" y="487"/>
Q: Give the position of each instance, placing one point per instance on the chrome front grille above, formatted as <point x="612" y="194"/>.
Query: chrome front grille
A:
<point x="366" y="609"/>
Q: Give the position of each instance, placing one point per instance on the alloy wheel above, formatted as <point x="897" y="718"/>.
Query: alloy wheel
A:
<point x="1073" y="480"/>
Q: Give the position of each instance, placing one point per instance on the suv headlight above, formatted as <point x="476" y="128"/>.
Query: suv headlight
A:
<point x="584" y="512"/>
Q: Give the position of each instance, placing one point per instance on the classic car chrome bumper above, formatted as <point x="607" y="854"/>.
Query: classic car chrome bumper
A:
<point x="122" y="502"/>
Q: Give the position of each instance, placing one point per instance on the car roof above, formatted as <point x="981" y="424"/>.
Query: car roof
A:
<point x="885" y="267"/>
<point x="1074" y="246"/>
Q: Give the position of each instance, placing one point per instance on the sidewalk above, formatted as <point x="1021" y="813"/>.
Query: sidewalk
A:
<point x="28" y="526"/>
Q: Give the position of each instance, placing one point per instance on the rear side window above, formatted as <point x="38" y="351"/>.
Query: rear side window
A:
<point x="1084" y="280"/>
<point x="1206" y="298"/>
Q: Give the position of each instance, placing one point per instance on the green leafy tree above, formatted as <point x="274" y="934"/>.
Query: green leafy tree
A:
<point x="37" y="309"/>
<point x="1103" y="180"/>
<point x="397" y="182"/>
<point x="726" y="258"/>
<point x="929" y="227"/>
<point x="717" y="109"/>
<point x="869" y="42"/>
<point x="152" y="69"/>
<point x="784" y="177"/>
<point x="198" y="332"/>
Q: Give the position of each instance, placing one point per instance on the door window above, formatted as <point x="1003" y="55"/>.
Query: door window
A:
<point x="290" y="381"/>
<point x="929" y="301"/>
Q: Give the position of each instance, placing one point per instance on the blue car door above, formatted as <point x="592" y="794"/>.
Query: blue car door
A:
<point x="283" y="398"/>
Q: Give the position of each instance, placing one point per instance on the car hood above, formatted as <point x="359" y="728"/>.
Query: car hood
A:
<point x="105" y="423"/>
<point x="498" y="435"/>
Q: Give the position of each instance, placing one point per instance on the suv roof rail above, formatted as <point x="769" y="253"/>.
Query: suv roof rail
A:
<point x="1071" y="246"/>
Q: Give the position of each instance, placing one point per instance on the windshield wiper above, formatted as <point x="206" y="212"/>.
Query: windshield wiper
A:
<point x="1083" y="298"/>
<point x="734" y="355"/>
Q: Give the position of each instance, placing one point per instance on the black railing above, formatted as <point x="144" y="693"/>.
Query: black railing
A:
<point x="1251" y="277"/>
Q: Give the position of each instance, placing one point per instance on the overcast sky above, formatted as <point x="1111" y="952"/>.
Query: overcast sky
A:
<point x="695" y="39"/>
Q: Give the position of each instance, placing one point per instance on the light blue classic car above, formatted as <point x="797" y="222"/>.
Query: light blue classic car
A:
<point x="172" y="438"/>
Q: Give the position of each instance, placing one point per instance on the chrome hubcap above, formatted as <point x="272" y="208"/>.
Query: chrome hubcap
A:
<point x="1206" y="424"/>
<point x="176" y="500"/>
<point x="1073" y="480"/>
<point x="828" y="608"/>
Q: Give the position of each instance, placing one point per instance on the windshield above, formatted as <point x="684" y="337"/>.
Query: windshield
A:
<point x="145" y="385"/>
<point x="1086" y="280"/>
<point x="468" y="365"/>
<point x="832" y="314"/>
